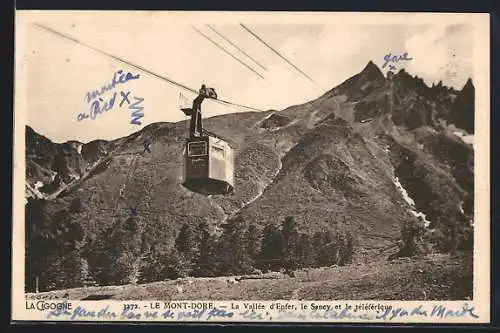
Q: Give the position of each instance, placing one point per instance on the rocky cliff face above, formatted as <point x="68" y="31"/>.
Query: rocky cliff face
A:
<point x="332" y="163"/>
<point x="52" y="167"/>
<point x="462" y="111"/>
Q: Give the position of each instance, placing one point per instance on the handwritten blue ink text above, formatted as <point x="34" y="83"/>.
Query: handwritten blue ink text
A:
<point x="119" y="77"/>
<point x="100" y="106"/>
<point x="391" y="59"/>
<point x="437" y="311"/>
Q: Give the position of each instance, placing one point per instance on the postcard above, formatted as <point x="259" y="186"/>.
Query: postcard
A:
<point x="260" y="167"/>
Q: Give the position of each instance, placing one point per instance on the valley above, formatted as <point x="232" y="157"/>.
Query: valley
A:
<point x="373" y="157"/>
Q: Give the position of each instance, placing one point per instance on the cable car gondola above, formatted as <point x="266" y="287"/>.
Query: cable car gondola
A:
<point x="208" y="158"/>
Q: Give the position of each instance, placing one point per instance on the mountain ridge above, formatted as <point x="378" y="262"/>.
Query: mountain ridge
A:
<point x="332" y="163"/>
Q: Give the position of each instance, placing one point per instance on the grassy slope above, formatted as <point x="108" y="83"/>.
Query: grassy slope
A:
<point x="293" y="170"/>
<point x="290" y="171"/>
<point x="442" y="277"/>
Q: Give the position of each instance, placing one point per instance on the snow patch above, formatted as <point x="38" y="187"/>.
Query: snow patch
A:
<point x="422" y="216"/>
<point x="273" y="129"/>
<point x="38" y="184"/>
<point x="259" y="193"/>
<point x="259" y="123"/>
<point x="467" y="138"/>
<point x="79" y="149"/>
<point x="411" y="202"/>
<point x="313" y="118"/>
<point x="33" y="192"/>
<point x="461" y="208"/>
<point x="74" y="177"/>
<point x="403" y="191"/>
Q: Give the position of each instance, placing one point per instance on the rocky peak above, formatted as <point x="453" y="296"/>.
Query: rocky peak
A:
<point x="372" y="72"/>
<point x="462" y="110"/>
<point x="468" y="85"/>
<point x="363" y="83"/>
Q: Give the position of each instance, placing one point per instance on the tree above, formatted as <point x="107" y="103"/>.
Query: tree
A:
<point x="72" y="271"/>
<point x="326" y="244"/>
<point x="317" y="242"/>
<point x="85" y="274"/>
<point x="466" y="239"/>
<point x="76" y="205"/>
<point x="36" y="243"/>
<point x="101" y="253"/>
<point x="346" y="249"/>
<point x="252" y="242"/>
<point x="271" y="248"/>
<point x="305" y="252"/>
<point x="161" y="263"/>
<point x="232" y="256"/>
<point x="118" y="253"/>
<point x="207" y="251"/>
<point x="52" y="248"/>
<point x="412" y="234"/>
<point x="290" y="236"/>
<point x="187" y="244"/>
<point x="173" y="266"/>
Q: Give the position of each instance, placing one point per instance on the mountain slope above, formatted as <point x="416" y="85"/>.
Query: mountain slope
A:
<point x="334" y="163"/>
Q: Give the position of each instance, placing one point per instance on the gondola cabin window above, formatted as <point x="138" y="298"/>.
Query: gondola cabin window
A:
<point x="217" y="152"/>
<point x="197" y="148"/>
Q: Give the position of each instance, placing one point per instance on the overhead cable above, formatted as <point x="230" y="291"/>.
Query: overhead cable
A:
<point x="158" y="76"/>
<point x="236" y="46"/>
<point x="277" y="53"/>
<point x="228" y="53"/>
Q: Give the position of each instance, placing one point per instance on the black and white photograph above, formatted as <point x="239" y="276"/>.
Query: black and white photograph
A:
<point x="285" y="166"/>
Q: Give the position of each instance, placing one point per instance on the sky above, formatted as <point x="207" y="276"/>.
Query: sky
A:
<point x="55" y="74"/>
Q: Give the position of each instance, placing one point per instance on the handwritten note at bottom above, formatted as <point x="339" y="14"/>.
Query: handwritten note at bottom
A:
<point x="277" y="311"/>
